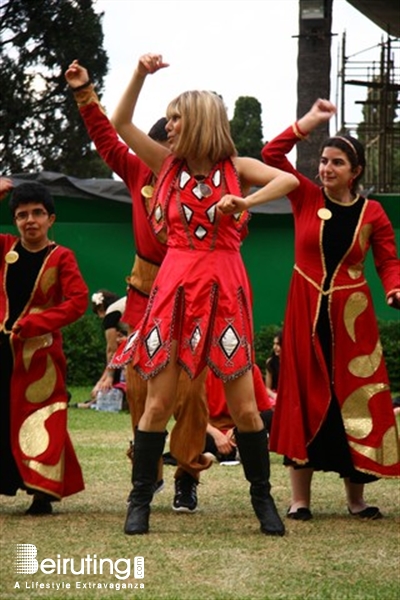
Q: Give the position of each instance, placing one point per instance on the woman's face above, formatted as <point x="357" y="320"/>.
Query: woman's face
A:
<point x="276" y="347"/>
<point x="173" y="128"/>
<point x="335" y="170"/>
<point x="33" y="223"/>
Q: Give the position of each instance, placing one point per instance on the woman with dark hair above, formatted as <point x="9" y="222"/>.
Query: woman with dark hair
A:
<point x="333" y="411"/>
<point x="110" y="308"/>
<point x="272" y="365"/>
<point x="41" y="291"/>
<point x="334" y="408"/>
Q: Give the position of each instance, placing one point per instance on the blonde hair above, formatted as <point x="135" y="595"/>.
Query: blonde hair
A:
<point x="205" y="130"/>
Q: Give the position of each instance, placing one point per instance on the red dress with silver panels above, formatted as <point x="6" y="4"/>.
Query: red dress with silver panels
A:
<point x="201" y="295"/>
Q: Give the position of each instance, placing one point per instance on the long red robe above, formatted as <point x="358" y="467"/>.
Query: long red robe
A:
<point x="359" y="376"/>
<point x="40" y="441"/>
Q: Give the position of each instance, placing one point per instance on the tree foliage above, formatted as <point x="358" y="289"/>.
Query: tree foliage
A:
<point x="246" y="127"/>
<point x="40" y="126"/>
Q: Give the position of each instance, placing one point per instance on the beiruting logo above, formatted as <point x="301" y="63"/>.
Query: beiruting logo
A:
<point x="27" y="563"/>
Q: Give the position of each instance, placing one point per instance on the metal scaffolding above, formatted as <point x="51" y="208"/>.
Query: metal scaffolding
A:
<point x="379" y="129"/>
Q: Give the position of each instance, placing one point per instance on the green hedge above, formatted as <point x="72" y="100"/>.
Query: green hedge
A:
<point x="390" y="340"/>
<point x="84" y="347"/>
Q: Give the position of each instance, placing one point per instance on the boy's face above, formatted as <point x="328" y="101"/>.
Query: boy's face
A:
<point x="33" y="222"/>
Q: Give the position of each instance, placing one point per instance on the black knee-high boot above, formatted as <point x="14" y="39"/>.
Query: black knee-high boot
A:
<point x="149" y="446"/>
<point x="253" y="450"/>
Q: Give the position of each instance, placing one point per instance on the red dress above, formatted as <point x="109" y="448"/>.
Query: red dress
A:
<point x="331" y="348"/>
<point x="201" y="295"/>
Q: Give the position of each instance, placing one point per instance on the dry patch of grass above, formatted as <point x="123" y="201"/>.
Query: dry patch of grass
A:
<point x="215" y="554"/>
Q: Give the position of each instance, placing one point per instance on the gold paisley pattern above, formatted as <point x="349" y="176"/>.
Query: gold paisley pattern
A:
<point x="33" y="344"/>
<point x="355" y="411"/>
<point x="33" y="437"/>
<point x="366" y="365"/>
<point x="42" y="389"/>
<point x="39" y="309"/>
<point x="53" y="472"/>
<point x="355" y="271"/>
<point x="386" y="454"/>
<point x="48" y="279"/>
<point x="356" y="304"/>
<point x="365" y="234"/>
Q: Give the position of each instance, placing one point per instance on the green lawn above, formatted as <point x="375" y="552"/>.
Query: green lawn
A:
<point x="217" y="553"/>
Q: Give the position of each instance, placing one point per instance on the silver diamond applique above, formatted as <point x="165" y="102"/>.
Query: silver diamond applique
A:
<point x="158" y="213"/>
<point x="229" y="341"/>
<point x="153" y="342"/>
<point x="184" y="178"/>
<point x="200" y="232"/>
<point x="211" y="212"/>
<point x="197" y="192"/>
<point x="216" y="178"/>
<point x="195" y="339"/>
<point x="188" y="212"/>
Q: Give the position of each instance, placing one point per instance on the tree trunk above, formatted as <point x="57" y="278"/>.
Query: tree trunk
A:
<point x="314" y="71"/>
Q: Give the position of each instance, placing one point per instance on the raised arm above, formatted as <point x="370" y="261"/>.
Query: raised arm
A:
<point x="6" y="185"/>
<point x="147" y="149"/>
<point x="320" y="112"/>
<point x="272" y="184"/>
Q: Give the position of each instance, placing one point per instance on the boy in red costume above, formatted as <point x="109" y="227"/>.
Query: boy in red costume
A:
<point x="42" y="290"/>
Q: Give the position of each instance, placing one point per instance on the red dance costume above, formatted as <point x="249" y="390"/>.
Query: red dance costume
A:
<point x="201" y="295"/>
<point x="150" y="251"/>
<point x="332" y="353"/>
<point x="190" y="409"/>
<point x="36" y="450"/>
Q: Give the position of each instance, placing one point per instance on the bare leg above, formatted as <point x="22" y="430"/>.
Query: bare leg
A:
<point x="300" y="480"/>
<point x="356" y="503"/>
<point x="354" y="495"/>
<point x="242" y="403"/>
<point x="161" y="392"/>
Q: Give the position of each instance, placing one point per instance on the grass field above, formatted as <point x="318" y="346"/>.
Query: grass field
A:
<point x="217" y="553"/>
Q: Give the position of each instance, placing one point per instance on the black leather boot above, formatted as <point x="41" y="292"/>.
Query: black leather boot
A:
<point x="149" y="446"/>
<point x="253" y="450"/>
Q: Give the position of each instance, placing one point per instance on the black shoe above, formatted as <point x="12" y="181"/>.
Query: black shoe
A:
<point x="137" y="519"/>
<point x="185" y="499"/>
<point x="301" y="514"/>
<point x="370" y="513"/>
<point x="40" y="506"/>
<point x="168" y="459"/>
<point x="159" y="486"/>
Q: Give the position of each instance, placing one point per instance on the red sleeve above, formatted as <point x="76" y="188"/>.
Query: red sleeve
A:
<point x="383" y="243"/>
<point x="274" y="154"/>
<point x="74" y="299"/>
<point x="112" y="150"/>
